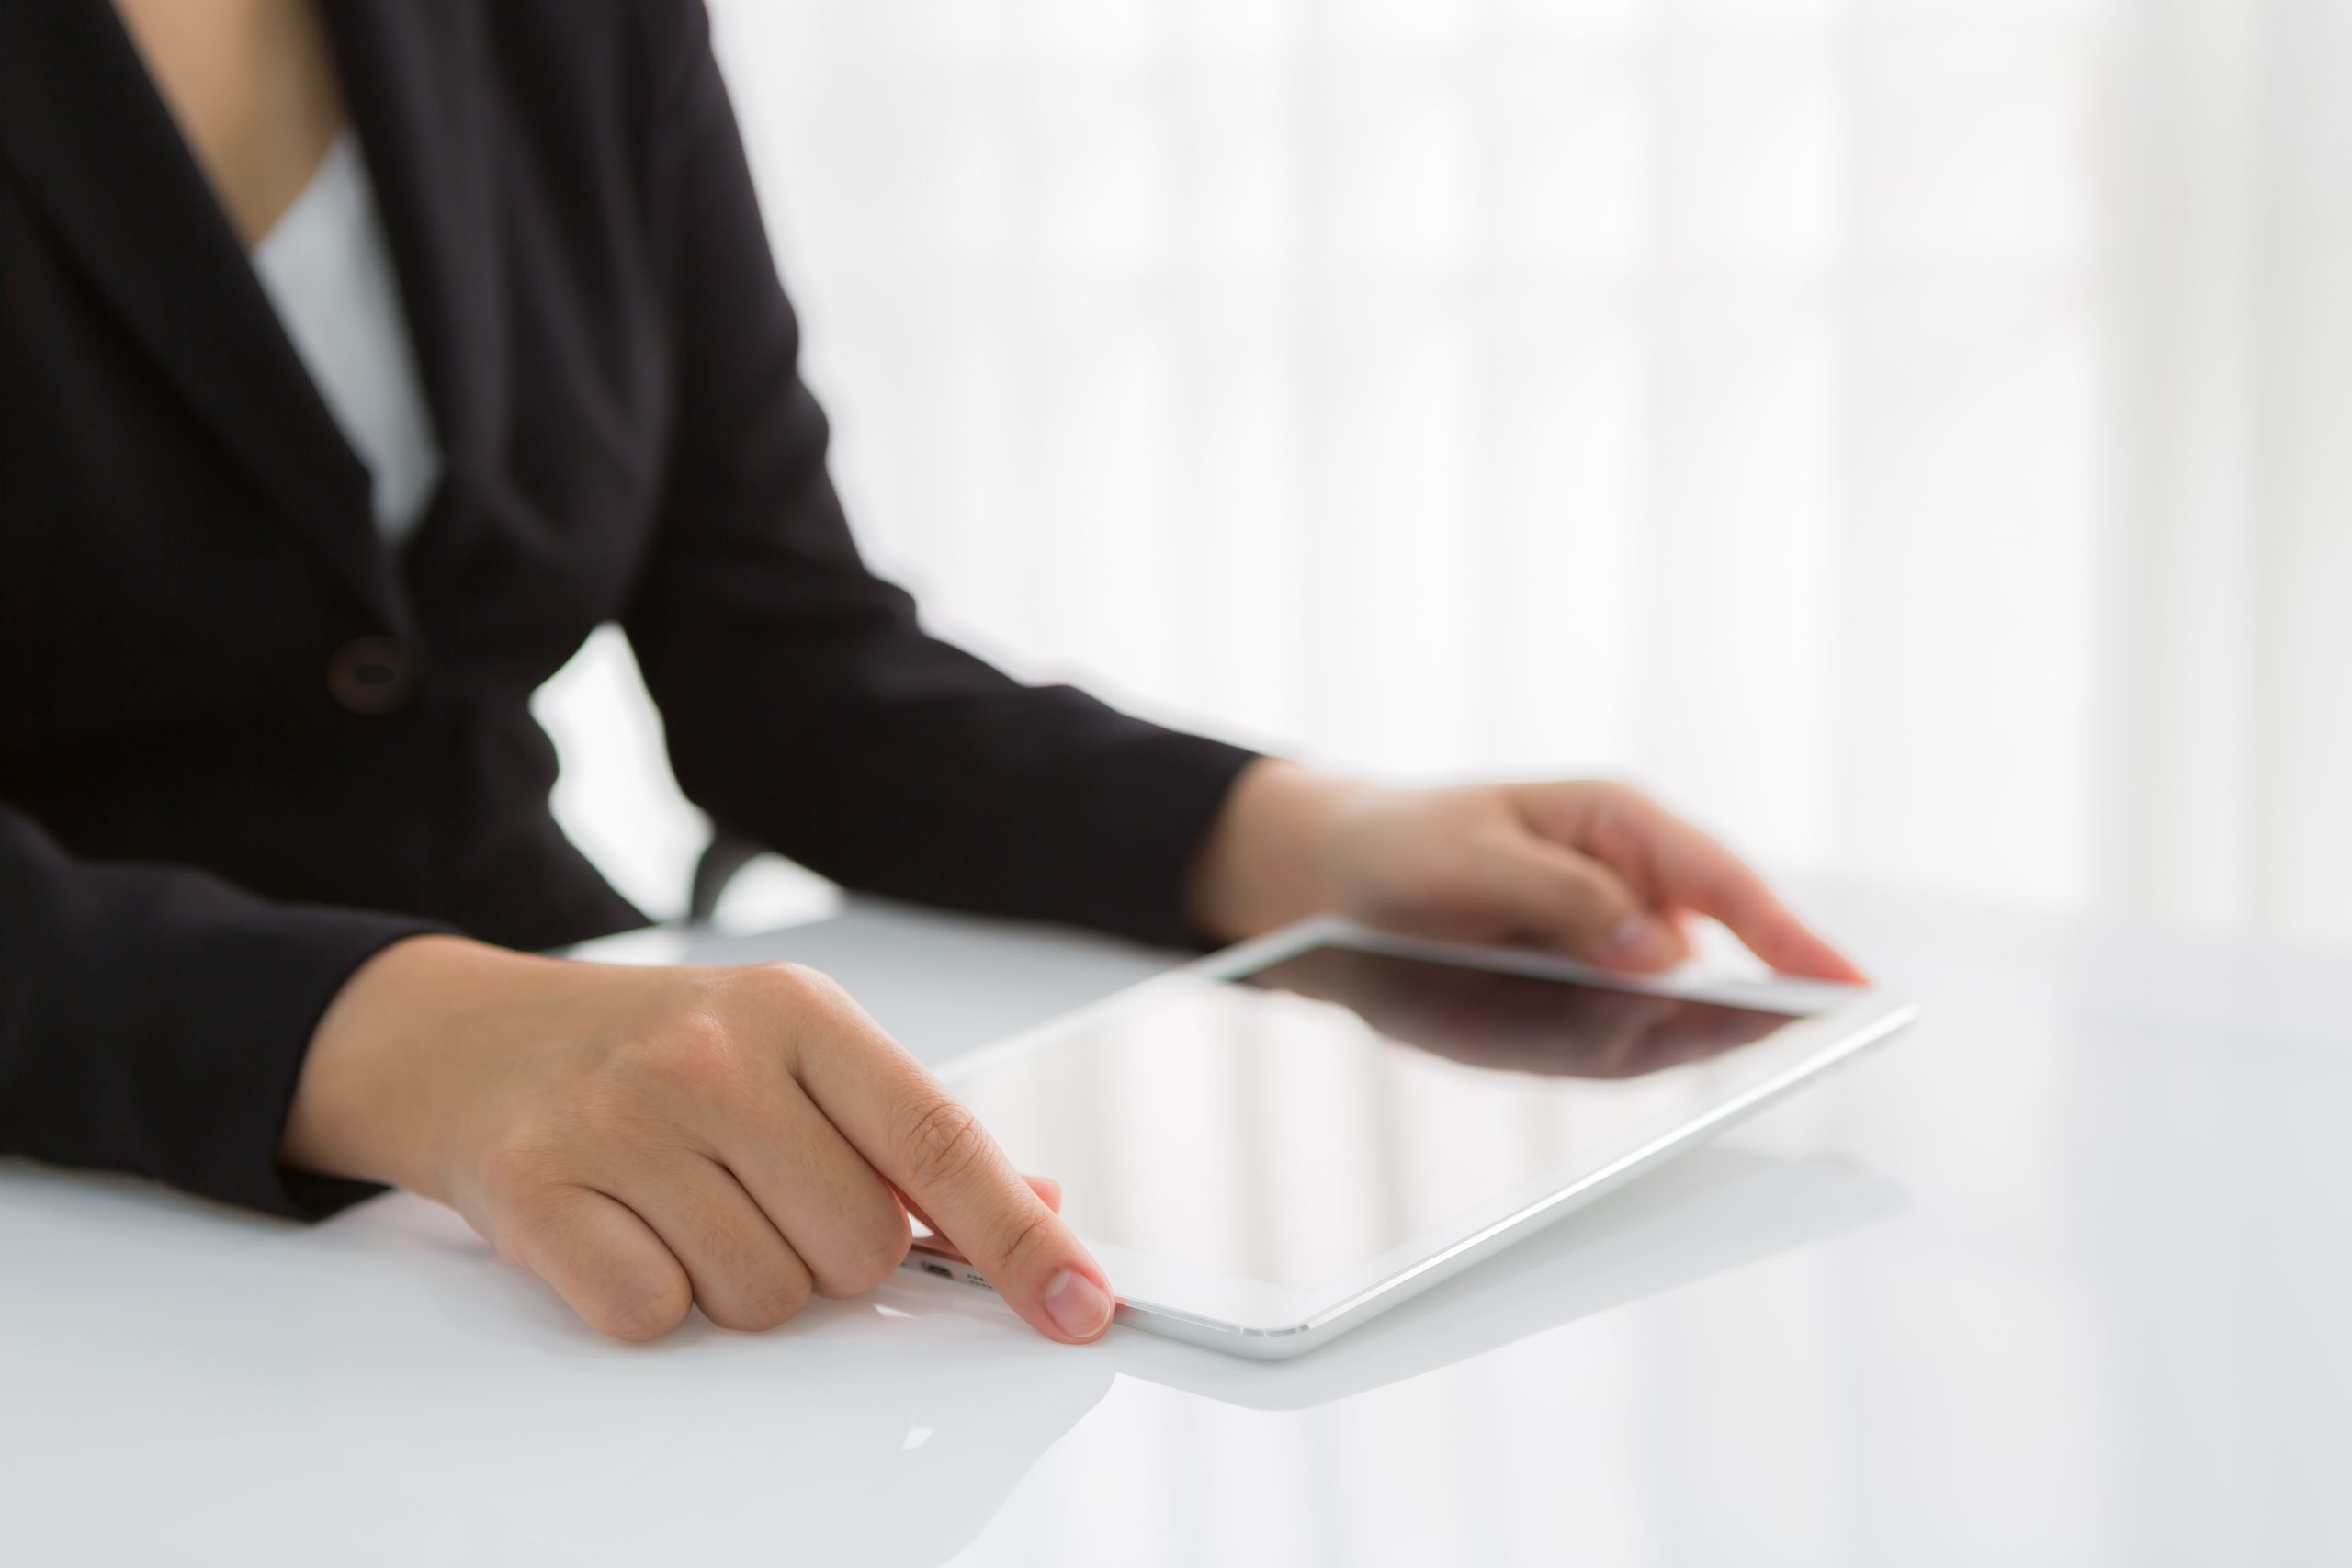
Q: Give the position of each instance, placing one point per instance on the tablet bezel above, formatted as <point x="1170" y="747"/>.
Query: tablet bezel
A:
<point x="1259" y="1318"/>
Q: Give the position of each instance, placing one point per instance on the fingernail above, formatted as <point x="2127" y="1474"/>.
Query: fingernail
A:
<point x="1078" y="1305"/>
<point x="1640" y="944"/>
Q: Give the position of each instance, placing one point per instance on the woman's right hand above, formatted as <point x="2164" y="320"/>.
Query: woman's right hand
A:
<point x="648" y="1139"/>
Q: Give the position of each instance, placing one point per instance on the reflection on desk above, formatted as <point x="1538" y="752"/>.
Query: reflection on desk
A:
<point x="921" y="1393"/>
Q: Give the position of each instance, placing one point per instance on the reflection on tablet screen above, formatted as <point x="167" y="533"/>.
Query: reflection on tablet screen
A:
<point x="1520" y="1023"/>
<point x="1294" y="1125"/>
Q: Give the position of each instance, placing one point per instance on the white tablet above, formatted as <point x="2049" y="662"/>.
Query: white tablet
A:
<point x="1270" y="1146"/>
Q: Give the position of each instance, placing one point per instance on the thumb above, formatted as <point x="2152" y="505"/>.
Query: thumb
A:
<point x="1578" y="906"/>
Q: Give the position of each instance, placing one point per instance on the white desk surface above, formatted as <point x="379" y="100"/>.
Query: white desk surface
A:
<point x="2060" y="1277"/>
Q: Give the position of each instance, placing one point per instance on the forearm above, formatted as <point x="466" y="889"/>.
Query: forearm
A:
<point x="154" y="1018"/>
<point x="900" y="765"/>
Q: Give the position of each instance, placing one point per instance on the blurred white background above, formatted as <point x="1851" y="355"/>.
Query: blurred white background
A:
<point x="1913" y="436"/>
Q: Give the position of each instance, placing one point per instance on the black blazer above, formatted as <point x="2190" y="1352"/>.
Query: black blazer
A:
<point x="242" y="746"/>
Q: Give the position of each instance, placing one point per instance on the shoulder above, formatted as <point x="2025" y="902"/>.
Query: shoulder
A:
<point x="607" y="56"/>
<point x="602" y="124"/>
<point x="597" y="34"/>
<point x="577" y="92"/>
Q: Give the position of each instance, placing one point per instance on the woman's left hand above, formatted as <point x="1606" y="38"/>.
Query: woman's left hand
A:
<point x="1590" y="868"/>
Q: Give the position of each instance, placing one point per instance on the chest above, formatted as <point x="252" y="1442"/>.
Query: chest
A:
<point x="185" y="524"/>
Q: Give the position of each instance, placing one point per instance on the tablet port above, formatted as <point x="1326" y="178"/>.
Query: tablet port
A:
<point x="939" y="1269"/>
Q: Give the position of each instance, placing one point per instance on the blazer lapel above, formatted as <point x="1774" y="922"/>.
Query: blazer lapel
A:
<point x="99" y="149"/>
<point x="411" y="79"/>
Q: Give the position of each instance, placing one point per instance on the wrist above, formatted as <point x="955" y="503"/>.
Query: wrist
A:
<point x="375" y="1099"/>
<point x="1266" y="860"/>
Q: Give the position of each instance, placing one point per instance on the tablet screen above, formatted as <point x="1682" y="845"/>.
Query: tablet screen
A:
<point x="1295" y="1124"/>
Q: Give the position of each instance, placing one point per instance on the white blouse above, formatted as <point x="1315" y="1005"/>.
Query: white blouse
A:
<point x="328" y="272"/>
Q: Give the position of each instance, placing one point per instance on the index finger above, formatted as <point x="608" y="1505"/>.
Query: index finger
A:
<point x="926" y="1144"/>
<point x="1690" y="868"/>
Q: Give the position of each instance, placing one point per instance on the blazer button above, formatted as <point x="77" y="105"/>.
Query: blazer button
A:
<point x="371" y="675"/>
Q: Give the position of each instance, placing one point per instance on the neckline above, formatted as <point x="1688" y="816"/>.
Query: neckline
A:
<point x="325" y="177"/>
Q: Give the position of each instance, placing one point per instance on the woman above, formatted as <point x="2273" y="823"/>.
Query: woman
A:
<point x="357" y="360"/>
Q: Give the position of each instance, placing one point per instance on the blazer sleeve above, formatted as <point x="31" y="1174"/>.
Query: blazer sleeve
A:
<point x="806" y="708"/>
<point x="154" y="1018"/>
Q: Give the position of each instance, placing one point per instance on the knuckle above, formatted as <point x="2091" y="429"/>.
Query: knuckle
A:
<point x="815" y="1011"/>
<point x="944" y="1142"/>
<point x="801" y="980"/>
<point x="767" y="1304"/>
<point x="873" y="1258"/>
<point x="521" y="1162"/>
<point x="795" y="989"/>
<point x="783" y="1298"/>
<point x="1615" y="803"/>
<point x="689" y="1054"/>
<point x="1484" y="839"/>
<point x="519" y="1229"/>
<point x="648" y="1310"/>
<point x="1724" y="887"/>
<point x="1617" y="791"/>
<point x="1027" y="1237"/>
<point x="1591" y="896"/>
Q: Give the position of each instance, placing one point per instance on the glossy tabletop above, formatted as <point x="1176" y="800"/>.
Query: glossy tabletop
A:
<point x="2058" y="1277"/>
